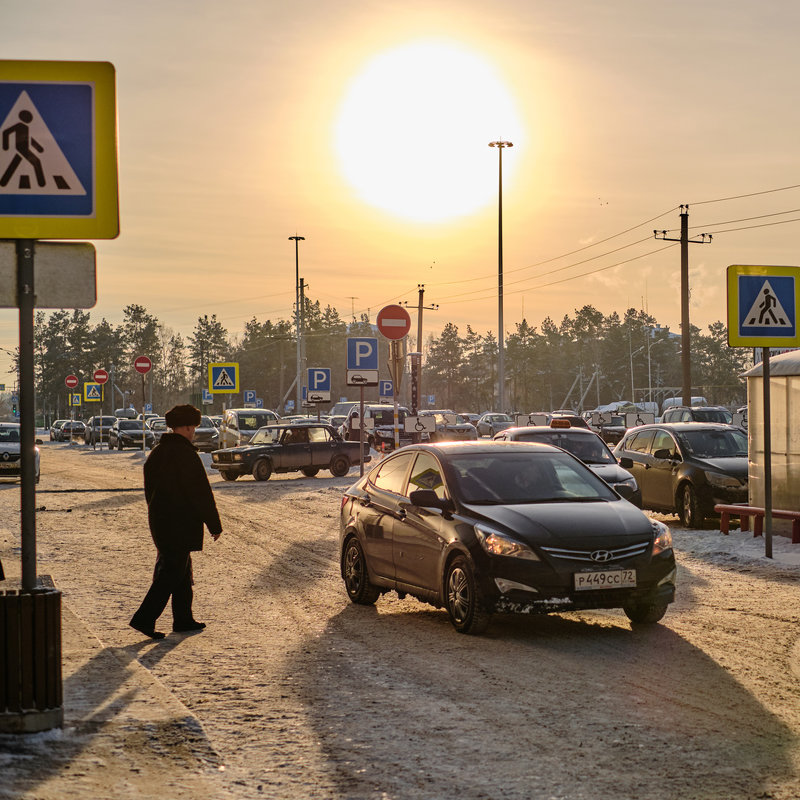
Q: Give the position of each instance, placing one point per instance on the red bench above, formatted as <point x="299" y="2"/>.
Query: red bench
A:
<point x="744" y="512"/>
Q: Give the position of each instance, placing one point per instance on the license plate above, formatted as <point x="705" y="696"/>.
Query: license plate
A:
<point x="610" y="579"/>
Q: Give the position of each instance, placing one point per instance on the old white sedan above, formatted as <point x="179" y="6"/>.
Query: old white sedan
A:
<point x="10" y="459"/>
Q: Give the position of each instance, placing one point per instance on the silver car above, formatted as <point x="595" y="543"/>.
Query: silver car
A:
<point x="10" y="452"/>
<point x="492" y="422"/>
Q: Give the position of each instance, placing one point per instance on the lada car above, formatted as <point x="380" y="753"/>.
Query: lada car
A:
<point x="288" y="448"/>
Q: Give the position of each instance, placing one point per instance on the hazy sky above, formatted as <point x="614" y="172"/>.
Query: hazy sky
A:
<point x="363" y="126"/>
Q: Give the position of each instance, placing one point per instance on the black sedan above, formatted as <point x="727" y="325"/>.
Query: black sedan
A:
<point x="492" y="527"/>
<point x="685" y="468"/>
<point x="287" y="448"/>
<point x="585" y="445"/>
<point x="129" y="433"/>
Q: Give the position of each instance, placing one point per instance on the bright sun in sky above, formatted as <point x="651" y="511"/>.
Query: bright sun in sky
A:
<point x="414" y="127"/>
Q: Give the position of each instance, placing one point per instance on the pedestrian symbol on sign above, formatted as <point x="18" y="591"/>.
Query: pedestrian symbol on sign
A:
<point x="767" y="310"/>
<point x="30" y="152"/>
<point x="223" y="380"/>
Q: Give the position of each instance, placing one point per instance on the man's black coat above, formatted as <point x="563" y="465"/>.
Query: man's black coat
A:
<point x="179" y="496"/>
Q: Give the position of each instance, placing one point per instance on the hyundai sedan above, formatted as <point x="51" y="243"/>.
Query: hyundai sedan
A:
<point x="487" y="527"/>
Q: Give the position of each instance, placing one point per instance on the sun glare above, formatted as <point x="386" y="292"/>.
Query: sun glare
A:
<point x="414" y="127"/>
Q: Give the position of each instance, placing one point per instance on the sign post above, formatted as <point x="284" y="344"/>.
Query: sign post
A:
<point x="142" y="365"/>
<point x="362" y="370"/>
<point x="101" y="376"/>
<point x="71" y="382"/>
<point x="395" y="323"/>
<point x="762" y="312"/>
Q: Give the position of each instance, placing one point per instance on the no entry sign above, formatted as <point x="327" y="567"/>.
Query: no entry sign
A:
<point x="100" y="376"/>
<point x="394" y="322"/>
<point x="71" y="381"/>
<point x="142" y="365"/>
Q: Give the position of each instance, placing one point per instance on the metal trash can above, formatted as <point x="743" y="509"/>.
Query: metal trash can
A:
<point x="30" y="660"/>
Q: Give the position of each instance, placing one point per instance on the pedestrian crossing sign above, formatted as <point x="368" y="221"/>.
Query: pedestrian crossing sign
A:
<point x="223" y="378"/>
<point x="75" y="398"/>
<point x="762" y="306"/>
<point x="92" y="392"/>
<point x="58" y="150"/>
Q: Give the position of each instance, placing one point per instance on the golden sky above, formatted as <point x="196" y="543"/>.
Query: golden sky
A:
<point x="363" y="126"/>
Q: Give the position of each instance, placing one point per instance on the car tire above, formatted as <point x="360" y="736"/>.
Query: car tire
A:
<point x="465" y="605"/>
<point x="340" y="466"/>
<point x="356" y="576"/>
<point x="262" y="469"/>
<point x="688" y="507"/>
<point x="645" y="612"/>
<point x="119" y="445"/>
<point x="309" y="472"/>
<point x="228" y="476"/>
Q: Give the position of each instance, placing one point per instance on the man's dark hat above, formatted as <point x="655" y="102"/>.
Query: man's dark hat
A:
<point x="179" y="416"/>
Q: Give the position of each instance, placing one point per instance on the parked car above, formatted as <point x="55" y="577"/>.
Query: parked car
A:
<point x="585" y="445"/>
<point x="575" y="420"/>
<point x="239" y="424"/>
<point x="55" y="429"/>
<point x="685" y="468"/>
<point x="491" y="423"/>
<point x="97" y="429"/>
<point x="612" y="432"/>
<point x="450" y="427"/>
<point x="470" y="417"/>
<point x="146" y="416"/>
<point x="206" y="435"/>
<point x="381" y="435"/>
<point x="72" y="429"/>
<point x="698" y="414"/>
<point x="485" y="527"/>
<point x="159" y="427"/>
<point x="11" y="453"/>
<point x="286" y="448"/>
<point x="129" y="433"/>
<point x="216" y="419"/>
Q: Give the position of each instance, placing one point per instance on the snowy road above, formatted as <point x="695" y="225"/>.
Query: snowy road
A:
<point x="303" y="695"/>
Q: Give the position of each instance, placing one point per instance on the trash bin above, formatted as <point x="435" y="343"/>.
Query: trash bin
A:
<point x="30" y="660"/>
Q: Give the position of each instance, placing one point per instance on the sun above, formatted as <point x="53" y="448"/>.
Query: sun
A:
<point x="413" y="131"/>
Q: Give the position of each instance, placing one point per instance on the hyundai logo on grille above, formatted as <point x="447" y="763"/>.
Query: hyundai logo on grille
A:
<point x="600" y="556"/>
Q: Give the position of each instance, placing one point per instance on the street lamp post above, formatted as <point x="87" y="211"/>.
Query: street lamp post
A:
<point x="501" y="367"/>
<point x="299" y="333"/>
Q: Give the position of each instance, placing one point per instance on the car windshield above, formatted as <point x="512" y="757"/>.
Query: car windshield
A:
<point x="590" y="449"/>
<point x="715" y="443"/>
<point x="517" y="477"/>
<point x="157" y="424"/>
<point x="266" y="436"/>
<point x="205" y="422"/>
<point x="129" y="425"/>
<point x="9" y="434"/>
<point x="252" y="422"/>
<point x="712" y="415"/>
<point x="385" y="416"/>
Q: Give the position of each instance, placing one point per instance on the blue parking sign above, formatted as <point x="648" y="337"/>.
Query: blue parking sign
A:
<point x="249" y="395"/>
<point x="362" y="353"/>
<point x="386" y="389"/>
<point x="319" y="379"/>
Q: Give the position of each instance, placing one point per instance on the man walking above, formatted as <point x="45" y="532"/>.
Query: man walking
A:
<point x="179" y="502"/>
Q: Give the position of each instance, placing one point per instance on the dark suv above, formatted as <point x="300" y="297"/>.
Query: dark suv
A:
<point x="698" y="414"/>
<point x="685" y="468"/>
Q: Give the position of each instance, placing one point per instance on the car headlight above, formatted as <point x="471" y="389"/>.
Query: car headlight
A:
<point x="214" y="457"/>
<point x="237" y="456"/>
<point x="629" y="482"/>
<point x="498" y="544"/>
<point x="723" y="481"/>
<point x="663" y="537"/>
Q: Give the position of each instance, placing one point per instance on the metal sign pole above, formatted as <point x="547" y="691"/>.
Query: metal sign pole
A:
<point x="767" y="458"/>
<point x="143" y="414"/>
<point x="25" y="251"/>
<point x="361" y="432"/>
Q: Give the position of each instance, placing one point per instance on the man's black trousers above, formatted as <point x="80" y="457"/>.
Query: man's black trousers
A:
<point x="172" y="576"/>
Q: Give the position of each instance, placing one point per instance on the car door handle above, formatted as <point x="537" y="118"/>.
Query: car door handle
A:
<point x="401" y="512"/>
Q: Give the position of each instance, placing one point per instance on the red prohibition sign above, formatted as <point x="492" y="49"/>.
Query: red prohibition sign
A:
<point x="100" y="376"/>
<point x="394" y="322"/>
<point x="71" y="381"/>
<point x="142" y="364"/>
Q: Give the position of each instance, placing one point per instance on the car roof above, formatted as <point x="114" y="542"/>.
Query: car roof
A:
<point x="478" y="447"/>
<point x="548" y="429"/>
<point x="684" y="426"/>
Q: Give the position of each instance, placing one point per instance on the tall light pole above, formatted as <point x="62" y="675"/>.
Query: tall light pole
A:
<point x="299" y="333"/>
<point x="501" y="356"/>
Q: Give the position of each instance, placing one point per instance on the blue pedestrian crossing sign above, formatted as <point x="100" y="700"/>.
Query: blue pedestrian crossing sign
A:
<point x="58" y="150"/>
<point x="92" y="392"/>
<point x="762" y="306"/>
<point x="223" y="377"/>
<point x="75" y="398"/>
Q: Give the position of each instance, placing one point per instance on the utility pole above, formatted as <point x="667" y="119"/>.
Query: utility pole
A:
<point x="298" y="330"/>
<point x="685" y="241"/>
<point x="416" y="358"/>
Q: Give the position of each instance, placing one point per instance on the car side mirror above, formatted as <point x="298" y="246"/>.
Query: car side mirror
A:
<point x="666" y="454"/>
<point x="427" y="498"/>
<point x="625" y="462"/>
<point x="624" y="490"/>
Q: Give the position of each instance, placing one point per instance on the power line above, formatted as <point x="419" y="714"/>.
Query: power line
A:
<point x="742" y="196"/>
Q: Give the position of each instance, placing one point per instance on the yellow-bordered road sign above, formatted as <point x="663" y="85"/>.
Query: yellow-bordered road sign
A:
<point x="762" y="306"/>
<point x="58" y="150"/>
<point x="92" y="392"/>
<point x="223" y="377"/>
<point x="75" y="398"/>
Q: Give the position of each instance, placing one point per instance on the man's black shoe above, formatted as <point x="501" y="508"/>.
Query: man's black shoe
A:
<point x="153" y="634"/>
<point x="190" y="628"/>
